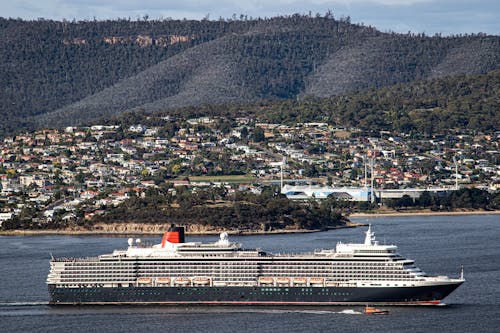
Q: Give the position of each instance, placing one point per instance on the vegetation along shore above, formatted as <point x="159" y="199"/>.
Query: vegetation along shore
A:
<point x="424" y="212"/>
<point x="213" y="210"/>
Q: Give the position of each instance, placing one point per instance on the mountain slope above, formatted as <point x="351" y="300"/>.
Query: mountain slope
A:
<point x="191" y="77"/>
<point x="61" y="73"/>
<point x="428" y="107"/>
<point x="268" y="60"/>
<point x="420" y="107"/>
<point x="383" y="61"/>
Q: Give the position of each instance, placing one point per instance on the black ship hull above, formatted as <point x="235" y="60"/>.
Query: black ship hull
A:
<point x="424" y="295"/>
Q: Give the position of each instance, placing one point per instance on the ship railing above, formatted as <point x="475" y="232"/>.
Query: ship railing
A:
<point x="93" y="284"/>
<point x="248" y="254"/>
<point x="324" y="252"/>
<point x="437" y="278"/>
<point x="340" y="284"/>
<point x="63" y="259"/>
<point x="292" y="254"/>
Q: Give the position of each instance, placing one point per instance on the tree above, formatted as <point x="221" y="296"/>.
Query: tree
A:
<point x="258" y="134"/>
<point x="425" y="199"/>
<point x="406" y="201"/>
<point x="80" y="177"/>
<point x="244" y="133"/>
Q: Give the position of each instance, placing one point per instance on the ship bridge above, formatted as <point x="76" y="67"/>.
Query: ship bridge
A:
<point x="370" y="247"/>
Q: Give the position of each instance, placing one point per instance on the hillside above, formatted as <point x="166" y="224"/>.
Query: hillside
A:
<point x="61" y="73"/>
<point x="424" y="107"/>
<point x="427" y="107"/>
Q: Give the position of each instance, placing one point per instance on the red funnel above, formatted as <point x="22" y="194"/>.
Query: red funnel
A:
<point x="173" y="235"/>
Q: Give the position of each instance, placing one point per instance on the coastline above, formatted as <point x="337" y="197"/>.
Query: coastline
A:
<point x="155" y="233"/>
<point x="145" y="233"/>
<point x="422" y="213"/>
<point x="349" y="224"/>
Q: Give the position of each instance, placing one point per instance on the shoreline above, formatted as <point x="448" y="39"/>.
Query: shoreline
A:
<point x="145" y="233"/>
<point x="423" y="213"/>
<point x="152" y="233"/>
<point x="349" y="224"/>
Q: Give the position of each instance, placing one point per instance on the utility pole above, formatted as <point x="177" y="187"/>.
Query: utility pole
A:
<point x="456" y="173"/>
<point x="366" y="167"/>
<point x="374" y="149"/>
<point x="282" y="166"/>
<point x="372" y="182"/>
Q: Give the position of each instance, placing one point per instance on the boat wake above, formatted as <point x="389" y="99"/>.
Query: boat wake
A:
<point x="315" y="312"/>
<point x="323" y="312"/>
<point x="349" y="311"/>
<point x="24" y="303"/>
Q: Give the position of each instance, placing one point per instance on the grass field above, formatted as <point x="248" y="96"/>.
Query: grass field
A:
<point x="223" y="179"/>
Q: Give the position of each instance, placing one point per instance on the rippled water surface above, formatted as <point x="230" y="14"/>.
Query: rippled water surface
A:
<point x="438" y="244"/>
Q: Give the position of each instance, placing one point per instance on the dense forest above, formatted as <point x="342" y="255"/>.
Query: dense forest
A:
<point x="61" y="73"/>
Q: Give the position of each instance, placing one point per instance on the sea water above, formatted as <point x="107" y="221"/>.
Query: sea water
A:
<point x="438" y="244"/>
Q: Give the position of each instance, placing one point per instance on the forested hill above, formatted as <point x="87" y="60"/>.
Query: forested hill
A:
<point x="430" y="107"/>
<point x="60" y="73"/>
<point x="425" y="107"/>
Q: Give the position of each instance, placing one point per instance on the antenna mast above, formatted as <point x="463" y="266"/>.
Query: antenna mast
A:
<point x="282" y="166"/>
<point x="456" y="173"/>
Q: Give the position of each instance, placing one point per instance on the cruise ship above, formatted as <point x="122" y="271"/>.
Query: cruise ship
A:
<point x="176" y="272"/>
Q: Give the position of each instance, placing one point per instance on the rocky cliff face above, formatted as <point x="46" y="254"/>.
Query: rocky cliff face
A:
<point x="141" y="40"/>
<point x="152" y="228"/>
<point x="160" y="228"/>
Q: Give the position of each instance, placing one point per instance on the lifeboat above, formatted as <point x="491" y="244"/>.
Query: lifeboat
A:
<point x="283" y="280"/>
<point x="144" y="280"/>
<point x="163" y="280"/>
<point x="332" y="284"/>
<point x="316" y="281"/>
<point x="182" y="281"/>
<point x="299" y="280"/>
<point x="220" y="284"/>
<point x="201" y="281"/>
<point x="266" y="280"/>
<point x="374" y="311"/>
